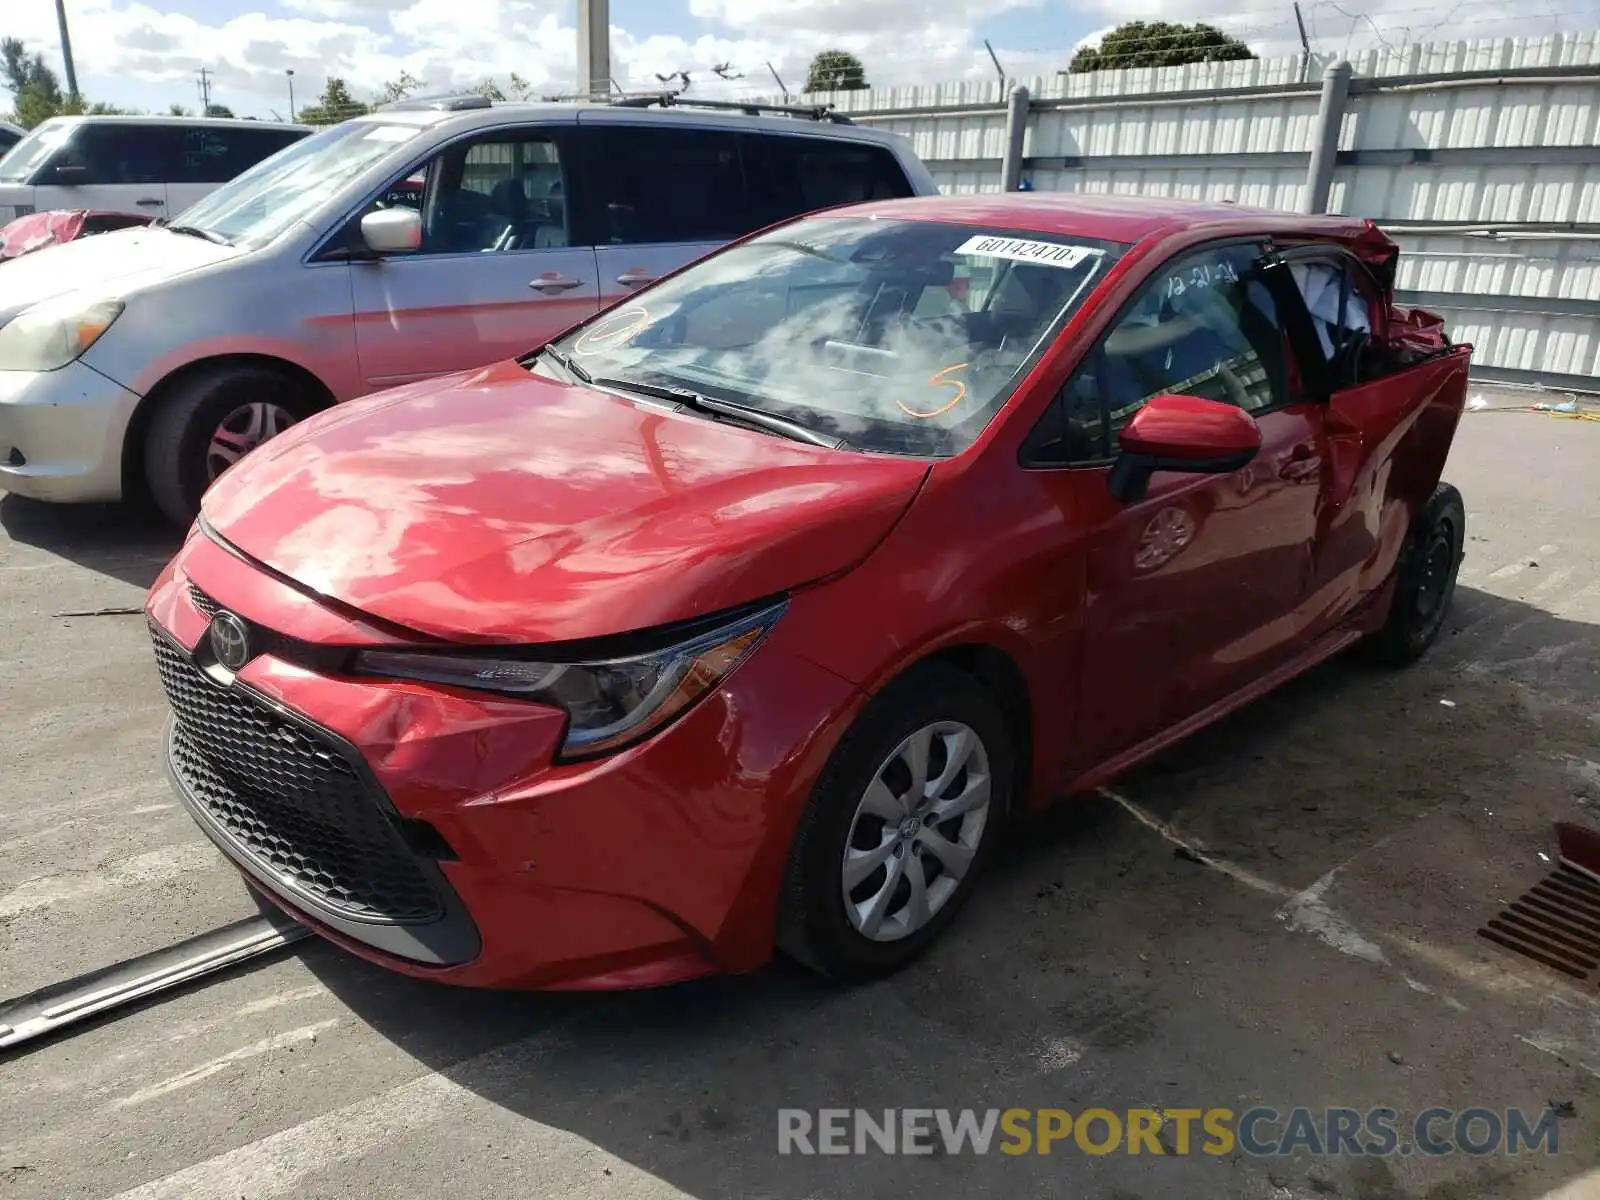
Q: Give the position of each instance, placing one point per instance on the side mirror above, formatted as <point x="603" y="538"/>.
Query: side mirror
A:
<point x="69" y="174"/>
<point x="392" y="230"/>
<point x="1182" y="433"/>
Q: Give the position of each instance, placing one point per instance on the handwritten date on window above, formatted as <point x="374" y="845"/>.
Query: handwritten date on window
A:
<point x="1201" y="275"/>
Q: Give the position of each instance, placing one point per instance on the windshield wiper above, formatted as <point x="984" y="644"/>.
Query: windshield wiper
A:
<point x="564" y="361"/>
<point x="702" y="403"/>
<point x="215" y="239"/>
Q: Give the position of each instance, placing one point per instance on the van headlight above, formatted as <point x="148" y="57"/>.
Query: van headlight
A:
<point x="48" y="336"/>
<point x="610" y="702"/>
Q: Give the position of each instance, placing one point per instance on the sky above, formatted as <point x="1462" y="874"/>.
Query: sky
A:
<point x="148" y="55"/>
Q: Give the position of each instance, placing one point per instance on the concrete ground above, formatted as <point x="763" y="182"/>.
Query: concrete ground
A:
<point x="1360" y="830"/>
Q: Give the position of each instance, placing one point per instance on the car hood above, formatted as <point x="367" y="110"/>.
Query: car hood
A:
<point x="110" y="264"/>
<point x="499" y="506"/>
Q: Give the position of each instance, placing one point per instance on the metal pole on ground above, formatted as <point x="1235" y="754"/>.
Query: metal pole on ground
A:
<point x="1016" y="135"/>
<point x="1325" y="138"/>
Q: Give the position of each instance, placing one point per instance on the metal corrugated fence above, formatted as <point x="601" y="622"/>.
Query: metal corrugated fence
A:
<point x="1482" y="157"/>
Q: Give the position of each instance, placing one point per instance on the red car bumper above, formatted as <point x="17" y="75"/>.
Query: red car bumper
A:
<point x="429" y="829"/>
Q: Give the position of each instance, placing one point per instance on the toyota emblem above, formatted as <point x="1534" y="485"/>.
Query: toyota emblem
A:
<point x="230" y="640"/>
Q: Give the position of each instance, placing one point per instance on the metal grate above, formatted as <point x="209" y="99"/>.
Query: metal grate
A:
<point x="1556" y="923"/>
<point x="293" y="803"/>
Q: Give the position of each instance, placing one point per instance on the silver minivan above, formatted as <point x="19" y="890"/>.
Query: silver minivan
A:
<point x="422" y="239"/>
<point x="148" y="166"/>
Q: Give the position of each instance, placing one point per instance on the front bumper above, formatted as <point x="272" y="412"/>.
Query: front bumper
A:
<point x="61" y="433"/>
<point x="659" y="863"/>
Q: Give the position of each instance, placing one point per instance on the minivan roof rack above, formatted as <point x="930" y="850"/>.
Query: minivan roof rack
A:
<point x="442" y="102"/>
<point x="818" y="112"/>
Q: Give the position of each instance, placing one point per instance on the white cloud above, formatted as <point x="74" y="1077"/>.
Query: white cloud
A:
<point x="447" y="43"/>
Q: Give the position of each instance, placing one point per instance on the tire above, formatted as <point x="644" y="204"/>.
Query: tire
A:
<point x="814" y="922"/>
<point x="1425" y="581"/>
<point x="178" y="461"/>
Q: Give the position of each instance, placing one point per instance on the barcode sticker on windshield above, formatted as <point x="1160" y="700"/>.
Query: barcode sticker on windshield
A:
<point x="1051" y="254"/>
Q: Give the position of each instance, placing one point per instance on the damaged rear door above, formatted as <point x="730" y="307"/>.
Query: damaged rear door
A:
<point x="1393" y="387"/>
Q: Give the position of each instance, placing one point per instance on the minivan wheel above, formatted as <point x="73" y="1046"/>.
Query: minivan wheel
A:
<point x="208" y="422"/>
<point x="1425" y="581"/>
<point x="902" y="820"/>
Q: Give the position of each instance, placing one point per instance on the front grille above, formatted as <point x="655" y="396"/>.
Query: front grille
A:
<point x="207" y="606"/>
<point x="293" y="802"/>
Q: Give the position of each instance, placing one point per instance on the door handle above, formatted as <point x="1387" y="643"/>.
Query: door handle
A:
<point x="554" y="282"/>
<point x="635" y="278"/>
<point x="149" y="202"/>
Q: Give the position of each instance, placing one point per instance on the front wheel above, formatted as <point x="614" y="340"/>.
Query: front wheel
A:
<point x="209" y="421"/>
<point x="900" y="824"/>
<point x="1425" y="580"/>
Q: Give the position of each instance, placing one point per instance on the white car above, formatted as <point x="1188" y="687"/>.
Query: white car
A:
<point x="152" y="166"/>
<point x="411" y="243"/>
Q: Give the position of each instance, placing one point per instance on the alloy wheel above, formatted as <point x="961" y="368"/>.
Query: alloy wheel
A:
<point x="241" y="431"/>
<point x="916" y="831"/>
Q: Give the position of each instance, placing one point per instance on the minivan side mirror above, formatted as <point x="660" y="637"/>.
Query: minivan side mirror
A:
<point x="392" y="230"/>
<point x="1182" y="433"/>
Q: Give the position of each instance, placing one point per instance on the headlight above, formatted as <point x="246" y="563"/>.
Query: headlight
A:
<point x="51" y="335"/>
<point x="609" y="702"/>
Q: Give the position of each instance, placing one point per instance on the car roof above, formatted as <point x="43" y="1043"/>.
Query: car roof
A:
<point x="212" y="122"/>
<point x="1111" y="217"/>
<point x="684" y="113"/>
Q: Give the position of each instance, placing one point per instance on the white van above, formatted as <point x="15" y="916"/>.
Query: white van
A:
<point x="153" y="166"/>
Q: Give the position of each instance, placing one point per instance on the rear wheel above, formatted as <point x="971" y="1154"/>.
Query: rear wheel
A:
<point x="209" y="421"/>
<point x="1425" y="580"/>
<point x="901" y="822"/>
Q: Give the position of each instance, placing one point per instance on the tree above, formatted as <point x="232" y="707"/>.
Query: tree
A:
<point x="218" y="110"/>
<point x="177" y="110"/>
<point x="35" y="90"/>
<point x="397" y="89"/>
<point x="26" y="72"/>
<point x="334" y="105"/>
<point x="836" y="71"/>
<point x="1158" y="44"/>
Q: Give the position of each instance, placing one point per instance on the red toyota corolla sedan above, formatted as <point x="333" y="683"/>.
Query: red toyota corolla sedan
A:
<point x="748" y="614"/>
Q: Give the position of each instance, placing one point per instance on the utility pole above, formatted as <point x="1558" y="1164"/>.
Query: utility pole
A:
<point x="995" y="59"/>
<point x="66" y="50"/>
<point x="779" y="82"/>
<point x="290" y="73"/>
<point x="1305" y="44"/>
<point x="594" y="48"/>
<point x="205" y="91"/>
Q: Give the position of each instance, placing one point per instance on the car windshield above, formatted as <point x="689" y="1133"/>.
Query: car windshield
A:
<point x="894" y="336"/>
<point x="33" y="151"/>
<point x="257" y="206"/>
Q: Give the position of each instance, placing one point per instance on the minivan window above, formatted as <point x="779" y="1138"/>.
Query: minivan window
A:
<point x="790" y="175"/>
<point x="34" y="150"/>
<point x="664" y="184"/>
<point x="291" y="186"/>
<point x="498" y="194"/>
